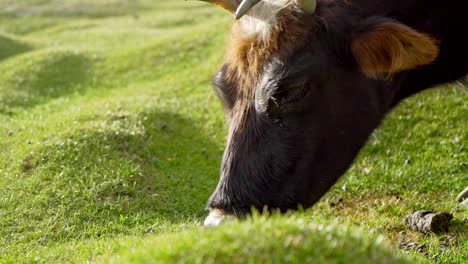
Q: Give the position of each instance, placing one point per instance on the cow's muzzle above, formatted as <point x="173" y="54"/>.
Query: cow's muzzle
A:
<point x="216" y="217"/>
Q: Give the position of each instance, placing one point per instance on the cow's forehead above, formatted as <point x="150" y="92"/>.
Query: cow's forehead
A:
<point x="272" y="28"/>
<point x="263" y="18"/>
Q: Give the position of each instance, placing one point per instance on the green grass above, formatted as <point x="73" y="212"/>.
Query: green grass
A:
<point x="261" y="240"/>
<point x="111" y="139"/>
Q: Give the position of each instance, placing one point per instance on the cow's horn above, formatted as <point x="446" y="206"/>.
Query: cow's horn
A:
<point x="308" y="6"/>
<point x="229" y="5"/>
<point x="244" y="7"/>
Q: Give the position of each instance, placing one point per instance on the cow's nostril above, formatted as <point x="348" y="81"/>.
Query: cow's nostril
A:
<point x="215" y="218"/>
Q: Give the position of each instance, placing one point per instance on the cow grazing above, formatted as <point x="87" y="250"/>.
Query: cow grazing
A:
<point x="305" y="83"/>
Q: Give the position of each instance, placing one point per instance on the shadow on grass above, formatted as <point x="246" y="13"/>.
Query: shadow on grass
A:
<point x="10" y="47"/>
<point x="42" y="76"/>
<point x="154" y="169"/>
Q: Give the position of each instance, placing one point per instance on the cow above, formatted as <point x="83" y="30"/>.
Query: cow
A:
<point x="306" y="82"/>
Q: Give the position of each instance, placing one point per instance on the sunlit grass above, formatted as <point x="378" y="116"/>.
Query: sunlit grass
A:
<point x="111" y="138"/>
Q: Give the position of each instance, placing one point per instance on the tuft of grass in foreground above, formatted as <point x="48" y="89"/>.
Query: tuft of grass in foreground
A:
<point x="110" y="135"/>
<point x="262" y="240"/>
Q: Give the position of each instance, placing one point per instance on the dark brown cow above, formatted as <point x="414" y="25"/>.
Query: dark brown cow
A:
<point x="305" y="83"/>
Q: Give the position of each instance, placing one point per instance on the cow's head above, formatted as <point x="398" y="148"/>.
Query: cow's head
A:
<point x="303" y="86"/>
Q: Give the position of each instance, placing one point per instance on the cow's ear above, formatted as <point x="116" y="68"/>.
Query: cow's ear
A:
<point x="383" y="47"/>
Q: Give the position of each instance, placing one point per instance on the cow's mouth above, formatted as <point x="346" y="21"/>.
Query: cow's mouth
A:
<point x="216" y="217"/>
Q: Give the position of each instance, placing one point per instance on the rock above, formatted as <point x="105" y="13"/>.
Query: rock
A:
<point x="43" y="240"/>
<point x="427" y="221"/>
<point x="149" y="230"/>
<point x="422" y="249"/>
<point x="464" y="203"/>
<point x="463" y="195"/>
<point x="413" y="246"/>
<point x="456" y="140"/>
<point x="344" y="188"/>
<point x="447" y="243"/>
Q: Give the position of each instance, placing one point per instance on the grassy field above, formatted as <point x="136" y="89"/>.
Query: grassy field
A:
<point x="111" y="138"/>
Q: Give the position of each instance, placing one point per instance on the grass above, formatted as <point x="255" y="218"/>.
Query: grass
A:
<point x="111" y="139"/>
<point x="300" y="240"/>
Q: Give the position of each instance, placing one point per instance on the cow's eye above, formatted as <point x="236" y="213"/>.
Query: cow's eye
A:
<point x="291" y="93"/>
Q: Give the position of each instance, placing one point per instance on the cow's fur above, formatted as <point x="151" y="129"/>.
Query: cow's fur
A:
<point x="263" y="18"/>
<point x="391" y="47"/>
<point x="303" y="92"/>
<point x="250" y="52"/>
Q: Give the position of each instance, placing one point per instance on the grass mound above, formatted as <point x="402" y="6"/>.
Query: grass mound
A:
<point x="9" y="46"/>
<point x="41" y="75"/>
<point x="261" y="240"/>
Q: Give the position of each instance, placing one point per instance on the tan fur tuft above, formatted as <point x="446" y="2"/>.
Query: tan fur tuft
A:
<point x="249" y="54"/>
<point x="391" y="48"/>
